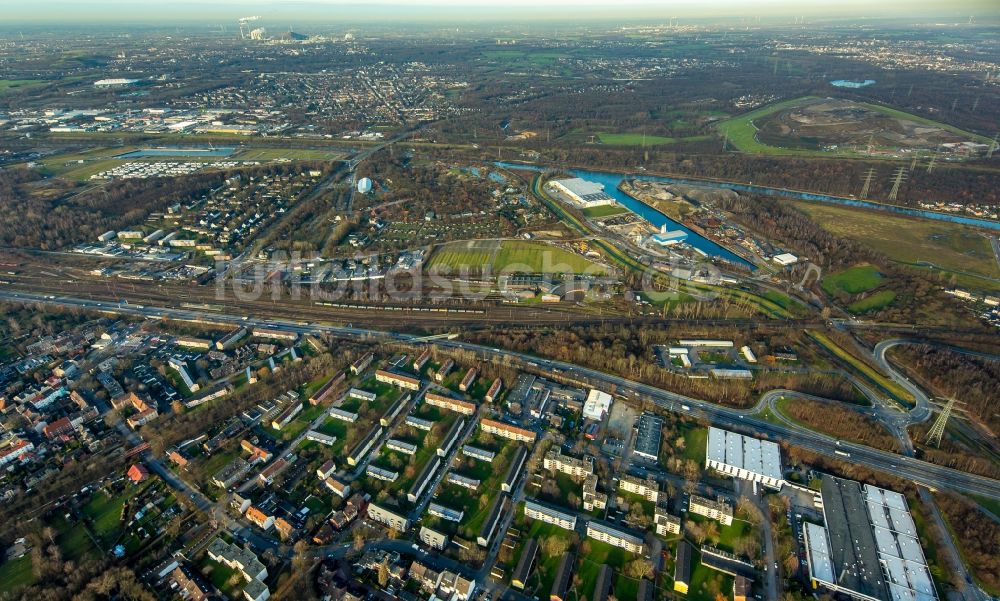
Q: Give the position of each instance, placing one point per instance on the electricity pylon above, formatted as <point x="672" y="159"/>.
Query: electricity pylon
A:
<point x="900" y="176"/>
<point x="937" y="430"/>
<point x="868" y="182"/>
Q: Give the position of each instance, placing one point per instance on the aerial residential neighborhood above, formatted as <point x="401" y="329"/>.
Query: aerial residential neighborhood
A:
<point x="444" y="300"/>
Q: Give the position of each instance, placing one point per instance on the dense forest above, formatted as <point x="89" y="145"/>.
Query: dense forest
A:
<point x="974" y="381"/>
<point x="840" y="422"/>
<point x="976" y="534"/>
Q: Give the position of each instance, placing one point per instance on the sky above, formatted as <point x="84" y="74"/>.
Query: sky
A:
<point x="13" y="12"/>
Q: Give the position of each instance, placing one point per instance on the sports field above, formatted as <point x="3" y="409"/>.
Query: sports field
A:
<point x="508" y="256"/>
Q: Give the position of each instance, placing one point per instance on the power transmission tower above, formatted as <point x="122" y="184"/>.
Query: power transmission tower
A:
<point x="900" y="176"/>
<point x="930" y="166"/>
<point x="937" y="430"/>
<point x="868" y="182"/>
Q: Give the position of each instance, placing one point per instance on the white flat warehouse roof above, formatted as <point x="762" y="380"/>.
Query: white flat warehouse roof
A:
<point x="756" y="456"/>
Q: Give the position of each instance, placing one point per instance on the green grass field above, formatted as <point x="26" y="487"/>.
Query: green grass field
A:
<point x="853" y="280"/>
<point x="874" y="302"/>
<point x="19" y="85"/>
<point x="953" y="249"/>
<point x="604" y="211"/>
<point x="509" y="256"/>
<point x="16" y="574"/>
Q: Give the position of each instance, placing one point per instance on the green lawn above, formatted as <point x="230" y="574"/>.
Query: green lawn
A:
<point x="874" y="302"/>
<point x="604" y="211"/>
<point x="705" y="582"/>
<point x="19" y="85"/>
<point x="589" y="565"/>
<point x="510" y="256"/>
<point x="695" y="444"/>
<point x="220" y="576"/>
<point x="16" y="574"/>
<point x="853" y="280"/>
<point x="541" y="579"/>
<point x="785" y="302"/>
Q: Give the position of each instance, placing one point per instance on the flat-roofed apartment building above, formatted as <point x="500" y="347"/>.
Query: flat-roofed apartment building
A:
<point x="666" y="523"/>
<point x="744" y="457"/>
<point x="433" y="538"/>
<point x="507" y="431"/>
<point x="719" y="510"/>
<point x="606" y="533"/>
<point x="549" y="515"/>
<point x="555" y="461"/>
<point x="387" y="517"/>
<point x="591" y="498"/>
<point x="869" y="548"/>
<point x="648" y="489"/>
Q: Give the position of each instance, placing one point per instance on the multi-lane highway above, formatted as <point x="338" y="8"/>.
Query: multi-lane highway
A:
<point x="933" y="476"/>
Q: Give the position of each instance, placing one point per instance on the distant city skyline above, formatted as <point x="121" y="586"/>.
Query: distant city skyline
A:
<point x="429" y="11"/>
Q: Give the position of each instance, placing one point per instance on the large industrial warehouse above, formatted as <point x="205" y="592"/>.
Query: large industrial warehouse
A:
<point x="584" y="193"/>
<point x="744" y="457"/>
<point x="869" y="547"/>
